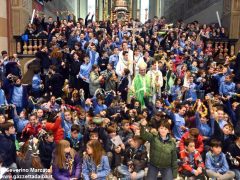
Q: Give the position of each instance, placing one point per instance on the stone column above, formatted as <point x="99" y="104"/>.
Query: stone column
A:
<point x="231" y="20"/>
<point x="130" y="8"/>
<point x="109" y="8"/>
<point x="105" y="9"/>
<point x="134" y="9"/>
<point x="97" y="9"/>
<point x="100" y="10"/>
<point x="159" y="8"/>
<point x="138" y="11"/>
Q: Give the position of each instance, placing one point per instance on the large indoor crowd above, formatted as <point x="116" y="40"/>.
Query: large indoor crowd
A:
<point x="114" y="99"/>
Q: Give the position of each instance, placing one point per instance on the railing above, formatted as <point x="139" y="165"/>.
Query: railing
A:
<point x="225" y="46"/>
<point x="33" y="44"/>
<point x="30" y="46"/>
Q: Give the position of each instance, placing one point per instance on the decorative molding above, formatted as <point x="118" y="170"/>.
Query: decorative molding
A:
<point x="235" y="5"/>
<point x="3" y="31"/>
<point x="235" y="26"/>
<point x="16" y="21"/>
<point x="15" y="2"/>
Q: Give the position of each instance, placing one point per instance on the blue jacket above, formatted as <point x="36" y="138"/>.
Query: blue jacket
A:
<point x="178" y="122"/>
<point x="192" y="91"/>
<point x="10" y="89"/>
<point x="174" y="92"/>
<point x="97" y="108"/>
<point x="204" y="128"/>
<point x="113" y="59"/>
<point x="102" y="170"/>
<point x="217" y="163"/>
<point x="66" y="125"/>
<point x="94" y="57"/>
<point x="227" y="89"/>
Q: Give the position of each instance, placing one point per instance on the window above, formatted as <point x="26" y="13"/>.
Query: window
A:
<point x="144" y="10"/>
<point x="91" y="7"/>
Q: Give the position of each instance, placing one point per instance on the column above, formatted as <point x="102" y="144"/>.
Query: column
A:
<point x="97" y="10"/>
<point x="130" y="9"/>
<point x="83" y="8"/>
<point x="134" y="9"/>
<point x="105" y="9"/>
<point x="159" y="8"/>
<point x="109" y="8"/>
<point x="3" y="24"/>
<point x="100" y="10"/>
<point x="138" y="9"/>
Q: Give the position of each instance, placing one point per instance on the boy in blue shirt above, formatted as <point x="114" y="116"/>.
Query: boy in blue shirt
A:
<point x="216" y="162"/>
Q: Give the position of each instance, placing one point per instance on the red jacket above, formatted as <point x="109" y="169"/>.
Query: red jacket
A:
<point x="185" y="159"/>
<point x="31" y="130"/>
<point x="198" y="142"/>
<point x="56" y="128"/>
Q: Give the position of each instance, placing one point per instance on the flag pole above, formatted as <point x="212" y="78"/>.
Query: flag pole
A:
<point x="33" y="14"/>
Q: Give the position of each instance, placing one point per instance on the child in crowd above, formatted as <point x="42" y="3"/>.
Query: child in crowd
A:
<point x="125" y="132"/>
<point x="81" y="121"/>
<point x="224" y="135"/>
<point x="216" y="162"/>
<point x="193" y="133"/>
<point x="67" y="122"/>
<point x="163" y="152"/>
<point x="32" y="128"/>
<point x="55" y="127"/>
<point x="192" y="163"/>
<point x="66" y="162"/>
<point x="74" y="137"/>
<point x="201" y="121"/>
<point x="135" y="160"/>
<point x="115" y="145"/>
<point x="20" y="121"/>
<point x="8" y="147"/>
<point x="123" y="84"/>
<point x="179" y="122"/>
<point x="46" y="147"/>
<point x="28" y="158"/>
<point x="95" y="163"/>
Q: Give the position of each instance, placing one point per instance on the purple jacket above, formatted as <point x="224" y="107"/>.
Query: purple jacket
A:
<point x="64" y="174"/>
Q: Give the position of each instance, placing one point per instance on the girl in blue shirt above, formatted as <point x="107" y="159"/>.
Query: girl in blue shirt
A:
<point x="95" y="164"/>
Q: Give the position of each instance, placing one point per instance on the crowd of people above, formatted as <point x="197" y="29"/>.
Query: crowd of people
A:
<point x="110" y="100"/>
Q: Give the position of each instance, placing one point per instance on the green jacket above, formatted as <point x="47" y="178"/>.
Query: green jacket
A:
<point x="162" y="154"/>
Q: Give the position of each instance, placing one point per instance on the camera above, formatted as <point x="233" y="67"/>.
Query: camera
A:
<point x="105" y="74"/>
